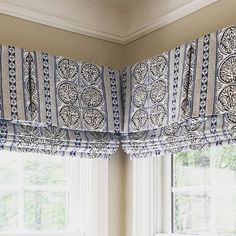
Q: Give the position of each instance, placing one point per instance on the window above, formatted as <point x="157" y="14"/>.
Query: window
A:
<point x="204" y="192"/>
<point x="36" y="193"/>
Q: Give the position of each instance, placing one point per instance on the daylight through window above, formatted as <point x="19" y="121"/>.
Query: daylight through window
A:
<point x="204" y="192"/>
<point x="34" y="193"/>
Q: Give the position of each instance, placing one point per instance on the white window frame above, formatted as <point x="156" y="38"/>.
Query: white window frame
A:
<point x="88" y="195"/>
<point x="167" y="199"/>
<point x="151" y="196"/>
<point x="152" y="179"/>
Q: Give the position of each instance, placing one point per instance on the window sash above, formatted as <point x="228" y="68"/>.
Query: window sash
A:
<point x="210" y="188"/>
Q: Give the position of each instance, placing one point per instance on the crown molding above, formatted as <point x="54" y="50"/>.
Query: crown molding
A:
<point x="146" y="27"/>
<point x="79" y="27"/>
<point x="115" y="30"/>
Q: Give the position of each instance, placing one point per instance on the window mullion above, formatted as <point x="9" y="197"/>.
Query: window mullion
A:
<point x="167" y="199"/>
<point x="20" y="196"/>
<point x="213" y="191"/>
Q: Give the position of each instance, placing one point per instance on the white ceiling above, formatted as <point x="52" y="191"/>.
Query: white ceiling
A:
<point x="119" y="21"/>
<point x="130" y="4"/>
<point x="119" y="4"/>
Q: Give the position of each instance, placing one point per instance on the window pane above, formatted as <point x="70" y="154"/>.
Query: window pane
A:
<point x="192" y="212"/>
<point x="8" y="171"/>
<point x="45" y="210"/>
<point x="8" y="210"/>
<point x="225" y="158"/>
<point x="213" y="210"/>
<point x="192" y="168"/>
<point x="226" y="211"/>
<point x="45" y="172"/>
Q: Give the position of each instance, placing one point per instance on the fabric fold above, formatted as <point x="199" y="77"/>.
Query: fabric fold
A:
<point x="59" y="104"/>
<point x="182" y="99"/>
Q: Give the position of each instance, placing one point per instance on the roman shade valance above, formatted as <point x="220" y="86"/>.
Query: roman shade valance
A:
<point x="54" y="105"/>
<point x="183" y="99"/>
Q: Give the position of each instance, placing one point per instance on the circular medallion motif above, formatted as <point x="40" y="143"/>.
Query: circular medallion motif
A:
<point x="228" y="41"/>
<point x="53" y="132"/>
<point x="192" y="124"/>
<point x="196" y="142"/>
<point x="158" y="66"/>
<point x="139" y="119"/>
<point x="233" y="133"/>
<point x="70" y="116"/>
<point x="171" y="129"/>
<point x="227" y="71"/>
<point x="28" y="129"/>
<point x="99" y="136"/>
<point x="140" y="96"/>
<point x="140" y="73"/>
<point x="91" y="74"/>
<point x="93" y="119"/>
<point x="91" y="97"/>
<point x="67" y="93"/>
<point x="227" y="99"/>
<point x="137" y="136"/>
<point x="172" y="146"/>
<point x="68" y="69"/>
<point x="231" y="117"/>
<point x="158" y="91"/>
<point x="157" y="116"/>
<point x="53" y="138"/>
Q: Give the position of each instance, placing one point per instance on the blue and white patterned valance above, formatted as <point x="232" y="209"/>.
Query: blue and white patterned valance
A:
<point x="54" y="105"/>
<point x="182" y="99"/>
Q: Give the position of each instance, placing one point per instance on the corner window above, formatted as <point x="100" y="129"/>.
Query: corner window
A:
<point x="204" y="192"/>
<point x="36" y="193"/>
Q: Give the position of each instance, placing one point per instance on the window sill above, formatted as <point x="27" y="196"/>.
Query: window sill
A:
<point x="40" y="234"/>
<point x="161" y="234"/>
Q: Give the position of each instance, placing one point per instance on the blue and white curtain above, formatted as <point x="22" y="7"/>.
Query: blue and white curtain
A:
<point x="184" y="99"/>
<point x="56" y="105"/>
<point x="180" y="100"/>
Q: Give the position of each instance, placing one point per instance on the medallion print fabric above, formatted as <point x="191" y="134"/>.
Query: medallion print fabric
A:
<point x="184" y="99"/>
<point x="54" y="105"/>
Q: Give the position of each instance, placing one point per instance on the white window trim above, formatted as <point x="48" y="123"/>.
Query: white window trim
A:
<point x="42" y="234"/>
<point x="88" y="213"/>
<point x="151" y="197"/>
<point x="152" y="180"/>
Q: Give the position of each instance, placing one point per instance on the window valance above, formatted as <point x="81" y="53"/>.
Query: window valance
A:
<point x="182" y="99"/>
<point x="179" y="100"/>
<point x="53" y="105"/>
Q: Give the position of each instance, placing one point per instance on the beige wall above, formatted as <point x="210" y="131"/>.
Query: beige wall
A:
<point x="117" y="202"/>
<point x="35" y="36"/>
<point x="22" y="33"/>
<point x="58" y="42"/>
<point x="209" y="19"/>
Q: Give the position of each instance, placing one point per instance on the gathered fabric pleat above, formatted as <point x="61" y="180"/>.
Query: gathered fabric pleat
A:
<point x="183" y="99"/>
<point x="51" y="104"/>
